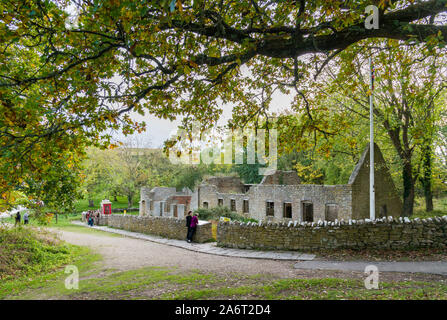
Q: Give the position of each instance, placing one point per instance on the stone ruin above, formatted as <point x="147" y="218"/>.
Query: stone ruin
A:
<point x="281" y="198"/>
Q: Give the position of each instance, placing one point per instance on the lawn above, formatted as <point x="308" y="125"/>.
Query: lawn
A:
<point x="170" y="284"/>
<point x="62" y="220"/>
<point x="439" y="206"/>
<point x="29" y="257"/>
<point x="166" y="283"/>
<point x="121" y="203"/>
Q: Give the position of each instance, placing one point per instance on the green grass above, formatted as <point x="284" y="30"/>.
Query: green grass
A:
<point x="63" y="220"/>
<point x="327" y="289"/>
<point x="439" y="205"/>
<point x="82" y="204"/>
<point x="169" y="283"/>
<point x="86" y="230"/>
<point x="98" y="282"/>
<point x="30" y="258"/>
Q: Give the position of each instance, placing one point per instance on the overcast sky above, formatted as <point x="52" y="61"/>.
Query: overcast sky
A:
<point x="159" y="130"/>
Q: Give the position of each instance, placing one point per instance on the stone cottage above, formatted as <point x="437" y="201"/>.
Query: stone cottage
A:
<point x="165" y="202"/>
<point x="281" y="197"/>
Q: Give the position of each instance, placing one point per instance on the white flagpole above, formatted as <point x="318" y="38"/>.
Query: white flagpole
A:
<point x="372" y="209"/>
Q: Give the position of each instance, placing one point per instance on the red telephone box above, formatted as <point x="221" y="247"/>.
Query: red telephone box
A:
<point x="106" y="207"/>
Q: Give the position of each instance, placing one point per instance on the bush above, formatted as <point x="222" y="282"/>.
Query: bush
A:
<point x="24" y="251"/>
<point x="217" y="212"/>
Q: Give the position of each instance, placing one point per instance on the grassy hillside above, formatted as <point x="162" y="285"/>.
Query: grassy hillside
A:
<point x="29" y="253"/>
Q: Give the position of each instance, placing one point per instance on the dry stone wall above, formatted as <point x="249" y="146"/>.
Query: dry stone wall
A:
<point x="385" y="233"/>
<point x="161" y="226"/>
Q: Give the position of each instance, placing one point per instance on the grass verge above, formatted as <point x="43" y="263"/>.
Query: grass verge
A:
<point x="31" y="257"/>
<point x="163" y="283"/>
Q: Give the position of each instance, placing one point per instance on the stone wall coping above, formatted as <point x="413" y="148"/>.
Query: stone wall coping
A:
<point x="336" y="223"/>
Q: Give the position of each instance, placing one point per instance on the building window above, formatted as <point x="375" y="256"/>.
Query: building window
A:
<point x="383" y="211"/>
<point x="161" y="208"/>
<point x="331" y="212"/>
<point x="270" y="209"/>
<point x="245" y="206"/>
<point x="151" y="205"/>
<point x="220" y="202"/>
<point x="205" y="205"/>
<point x="308" y="211"/>
<point x="287" y="210"/>
<point x="175" y="211"/>
<point x="233" y="205"/>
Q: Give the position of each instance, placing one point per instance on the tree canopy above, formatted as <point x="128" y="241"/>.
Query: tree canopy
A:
<point x="62" y="86"/>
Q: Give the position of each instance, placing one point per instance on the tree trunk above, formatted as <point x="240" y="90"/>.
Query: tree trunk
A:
<point x="426" y="180"/>
<point x="408" y="180"/>
<point x="405" y="154"/>
<point x="114" y="198"/>
<point x="129" y="201"/>
<point x="90" y="203"/>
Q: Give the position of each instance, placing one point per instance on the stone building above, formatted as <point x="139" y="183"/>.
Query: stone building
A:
<point x="164" y="202"/>
<point x="281" y="197"/>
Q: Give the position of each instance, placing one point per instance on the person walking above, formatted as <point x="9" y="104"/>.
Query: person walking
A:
<point x="97" y="217"/>
<point x="25" y="217"/>
<point x="188" y="223"/>
<point x="90" y="219"/>
<point x="18" y="218"/>
<point x="193" y="226"/>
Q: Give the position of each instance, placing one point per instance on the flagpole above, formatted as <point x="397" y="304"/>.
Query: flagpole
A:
<point x="372" y="207"/>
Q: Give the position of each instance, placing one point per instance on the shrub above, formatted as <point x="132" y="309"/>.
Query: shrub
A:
<point x="27" y="251"/>
<point x="217" y="212"/>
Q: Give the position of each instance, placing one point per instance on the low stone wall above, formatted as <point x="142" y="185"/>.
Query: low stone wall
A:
<point x="383" y="233"/>
<point x="161" y="226"/>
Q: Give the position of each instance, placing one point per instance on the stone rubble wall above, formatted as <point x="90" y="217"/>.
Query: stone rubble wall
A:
<point x="385" y="233"/>
<point x="167" y="227"/>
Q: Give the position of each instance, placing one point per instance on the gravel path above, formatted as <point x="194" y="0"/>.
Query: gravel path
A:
<point x="123" y="253"/>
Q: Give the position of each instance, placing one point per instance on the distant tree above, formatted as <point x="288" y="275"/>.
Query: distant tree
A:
<point x="190" y="176"/>
<point x="130" y="168"/>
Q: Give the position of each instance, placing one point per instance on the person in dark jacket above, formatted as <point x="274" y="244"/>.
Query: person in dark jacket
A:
<point x="188" y="223"/>
<point x="193" y="226"/>
<point x="18" y="218"/>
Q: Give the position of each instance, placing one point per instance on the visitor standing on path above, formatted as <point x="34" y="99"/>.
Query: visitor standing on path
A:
<point x="26" y="217"/>
<point x="18" y="218"/>
<point x="188" y="224"/>
<point x="193" y="226"/>
<point x="90" y="218"/>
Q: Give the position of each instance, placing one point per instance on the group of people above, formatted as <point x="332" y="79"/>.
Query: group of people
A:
<point x="90" y="216"/>
<point x="19" y="218"/>
<point x="191" y="224"/>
